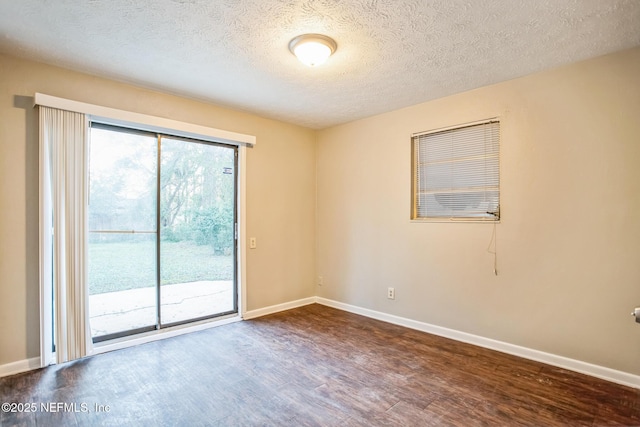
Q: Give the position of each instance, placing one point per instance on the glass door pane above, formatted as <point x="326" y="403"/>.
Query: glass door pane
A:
<point x="197" y="217"/>
<point x="122" y="232"/>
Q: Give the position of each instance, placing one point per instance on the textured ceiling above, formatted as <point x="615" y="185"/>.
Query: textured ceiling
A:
<point x="391" y="54"/>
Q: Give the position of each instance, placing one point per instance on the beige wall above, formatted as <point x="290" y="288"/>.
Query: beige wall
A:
<point x="280" y="191"/>
<point x="569" y="240"/>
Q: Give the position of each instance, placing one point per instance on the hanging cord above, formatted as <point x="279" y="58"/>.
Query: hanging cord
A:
<point x="494" y="242"/>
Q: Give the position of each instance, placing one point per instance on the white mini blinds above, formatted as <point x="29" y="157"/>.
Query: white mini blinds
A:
<point x="456" y="173"/>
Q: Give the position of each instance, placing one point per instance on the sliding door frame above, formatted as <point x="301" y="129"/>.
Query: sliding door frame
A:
<point x="159" y="324"/>
<point x="236" y="308"/>
<point x="134" y="120"/>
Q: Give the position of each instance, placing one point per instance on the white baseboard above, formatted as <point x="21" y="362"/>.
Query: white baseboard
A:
<point x="252" y="314"/>
<point x="601" y="372"/>
<point x="19" y="366"/>
<point x="608" y="374"/>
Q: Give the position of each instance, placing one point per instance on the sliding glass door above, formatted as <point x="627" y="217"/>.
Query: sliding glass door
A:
<point x="197" y="223"/>
<point x="122" y="231"/>
<point x="162" y="220"/>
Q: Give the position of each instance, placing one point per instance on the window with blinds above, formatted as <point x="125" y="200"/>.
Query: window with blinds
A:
<point x="456" y="173"/>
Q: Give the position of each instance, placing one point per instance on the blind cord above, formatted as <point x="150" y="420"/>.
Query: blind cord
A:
<point x="494" y="241"/>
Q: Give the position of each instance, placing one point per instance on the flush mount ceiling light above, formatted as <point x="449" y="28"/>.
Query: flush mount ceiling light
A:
<point x="312" y="49"/>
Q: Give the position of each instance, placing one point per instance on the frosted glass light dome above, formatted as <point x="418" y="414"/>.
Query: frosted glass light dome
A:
<point x="312" y="49"/>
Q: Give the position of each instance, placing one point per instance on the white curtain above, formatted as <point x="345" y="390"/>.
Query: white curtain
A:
<point x="63" y="234"/>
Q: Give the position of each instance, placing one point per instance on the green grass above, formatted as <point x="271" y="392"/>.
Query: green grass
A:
<point x="129" y="265"/>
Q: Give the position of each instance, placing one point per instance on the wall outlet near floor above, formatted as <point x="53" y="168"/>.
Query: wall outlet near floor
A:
<point x="252" y="243"/>
<point x="391" y="293"/>
<point x="319" y="280"/>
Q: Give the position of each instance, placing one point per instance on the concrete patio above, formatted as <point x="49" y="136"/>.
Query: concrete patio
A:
<point x="113" y="312"/>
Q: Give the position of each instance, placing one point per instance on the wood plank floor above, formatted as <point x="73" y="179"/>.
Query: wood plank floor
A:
<point x="314" y="366"/>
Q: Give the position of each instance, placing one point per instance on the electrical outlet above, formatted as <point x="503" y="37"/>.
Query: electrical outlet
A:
<point x="391" y="293"/>
<point x="319" y="280"/>
<point x="252" y="243"/>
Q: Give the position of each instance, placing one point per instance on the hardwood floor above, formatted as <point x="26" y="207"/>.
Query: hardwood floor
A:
<point x="313" y="366"/>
